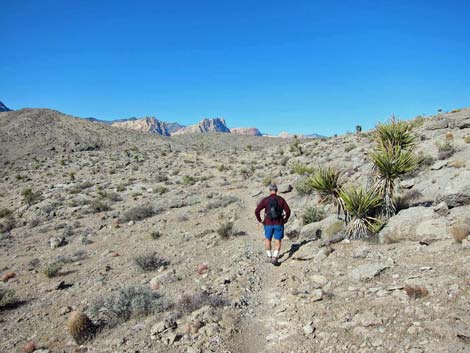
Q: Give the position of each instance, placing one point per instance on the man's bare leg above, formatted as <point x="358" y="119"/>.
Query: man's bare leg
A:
<point x="267" y="246"/>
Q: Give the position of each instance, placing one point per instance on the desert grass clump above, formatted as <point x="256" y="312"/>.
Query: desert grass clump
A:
<point x="5" y="212"/>
<point x="138" y="213"/>
<point x="467" y="139"/>
<point x="7" y="224"/>
<point x="460" y="231"/>
<point x="149" y="262"/>
<point x="327" y="182"/>
<point x="188" y="303"/>
<point x="445" y="149"/>
<point x="80" y="327"/>
<point x="304" y="187"/>
<point x="134" y="301"/>
<point x="302" y="169"/>
<point x="225" y="230"/>
<point x="52" y="269"/>
<point x="31" y="197"/>
<point x="362" y="207"/>
<point x="312" y="214"/>
<point x="188" y="180"/>
<point x="7" y="297"/>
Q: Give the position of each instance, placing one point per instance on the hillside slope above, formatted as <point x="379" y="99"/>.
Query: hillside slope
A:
<point x="172" y="228"/>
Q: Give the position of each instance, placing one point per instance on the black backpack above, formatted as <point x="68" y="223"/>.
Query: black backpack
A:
<point x="274" y="211"/>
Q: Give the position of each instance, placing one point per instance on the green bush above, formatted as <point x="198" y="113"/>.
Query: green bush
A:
<point x="7" y="297"/>
<point x="52" y="269"/>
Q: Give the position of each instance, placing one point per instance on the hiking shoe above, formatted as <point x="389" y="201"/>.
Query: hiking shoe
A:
<point x="268" y="259"/>
<point x="275" y="261"/>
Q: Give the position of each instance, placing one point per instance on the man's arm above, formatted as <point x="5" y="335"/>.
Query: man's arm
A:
<point x="286" y="209"/>
<point x="260" y="206"/>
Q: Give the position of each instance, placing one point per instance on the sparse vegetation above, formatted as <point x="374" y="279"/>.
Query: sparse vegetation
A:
<point x="30" y="197"/>
<point x="389" y="164"/>
<point x="187" y="304"/>
<point x="96" y="206"/>
<point x="5" y="212"/>
<point x="52" y="269"/>
<point x="327" y="182"/>
<point x="445" y="149"/>
<point x="362" y="207"/>
<point x="155" y="234"/>
<point x="312" y="214"/>
<point x="225" y="230"/>
<point x="7" y="297"/>
<point x="138" y="213"/>
<point x="460" y="231"/>
<point x="120" y="306"/>
<point x="150" y="262"/>
<point x="302" y="169"/>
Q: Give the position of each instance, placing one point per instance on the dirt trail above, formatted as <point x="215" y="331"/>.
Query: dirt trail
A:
<point x="264" y="326"/>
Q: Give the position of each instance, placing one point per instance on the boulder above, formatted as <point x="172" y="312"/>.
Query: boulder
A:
<point x="456" y="192"/>
<point x="366" y="271"/>
<point x="322" y="229"/>
<point x="415" y="224"/>
<point x="437" y="124"/>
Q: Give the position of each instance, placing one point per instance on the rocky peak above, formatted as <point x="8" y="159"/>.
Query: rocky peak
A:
<point x="145" y="124"/>
<point x="204" y="126"/>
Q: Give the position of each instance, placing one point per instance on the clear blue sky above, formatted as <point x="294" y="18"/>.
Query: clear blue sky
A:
<point x="297" y="66"/>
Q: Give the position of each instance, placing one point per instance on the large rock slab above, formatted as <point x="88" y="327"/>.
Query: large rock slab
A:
<point x="323" y="229"/>
<point x="456" y="192"/>
<point x="366" y="271"/>
<point x="414" y="224"/>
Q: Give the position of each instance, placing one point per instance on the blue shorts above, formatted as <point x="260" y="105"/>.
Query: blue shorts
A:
<point x="276" y="230"/>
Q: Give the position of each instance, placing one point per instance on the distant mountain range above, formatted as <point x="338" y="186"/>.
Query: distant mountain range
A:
<point x="155" y="126"/>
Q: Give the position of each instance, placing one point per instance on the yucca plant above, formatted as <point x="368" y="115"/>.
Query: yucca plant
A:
<point x="395" y="133"/>
<point x="362" y="207"/>
<point x="390" y="162"/>
<point x="327" y="182"/>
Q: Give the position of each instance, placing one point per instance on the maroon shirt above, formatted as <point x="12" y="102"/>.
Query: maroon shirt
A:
<point x="265" y="203"/>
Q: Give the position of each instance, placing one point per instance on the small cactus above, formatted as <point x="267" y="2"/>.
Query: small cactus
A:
<point x="80" y="327"/>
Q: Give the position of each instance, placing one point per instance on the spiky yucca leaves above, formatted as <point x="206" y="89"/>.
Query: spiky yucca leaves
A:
<point x="391" y="162"/>
<point x="362" y="207"/>
<point x="327" y="182"/>
<point x="395" y="133"/>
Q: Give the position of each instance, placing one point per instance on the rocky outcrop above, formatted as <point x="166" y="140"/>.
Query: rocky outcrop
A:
<point x="246" y="131"/>
<point x="204" y="126"/>
<point x="147" y="124"/>
<point x="415" y="224"/>
<point x="4" y="108"/>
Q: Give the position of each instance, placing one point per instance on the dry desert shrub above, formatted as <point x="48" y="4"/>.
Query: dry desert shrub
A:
<point x="416" y="292"/>
<point x="460" y="231"/>
<point x="115" y="308"/>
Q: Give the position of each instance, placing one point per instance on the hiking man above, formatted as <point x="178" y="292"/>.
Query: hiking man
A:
<point x="276" y="214"/>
